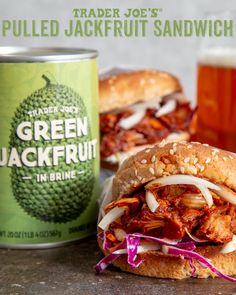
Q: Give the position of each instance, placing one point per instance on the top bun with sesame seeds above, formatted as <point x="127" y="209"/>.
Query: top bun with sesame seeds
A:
<point x="189" y="158"/>
<point x="120" y="91"/>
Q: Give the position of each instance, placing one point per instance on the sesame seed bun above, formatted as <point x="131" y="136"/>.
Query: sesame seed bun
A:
<point x="156" y="264"/>
<point x="125" y="89"/>
<point x="189" y="158"/>
<point x="175" y="158"/>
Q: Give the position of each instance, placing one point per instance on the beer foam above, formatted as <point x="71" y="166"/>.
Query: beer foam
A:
<point x="221" y="57"/>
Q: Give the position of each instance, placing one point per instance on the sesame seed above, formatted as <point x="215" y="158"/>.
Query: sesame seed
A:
<point x="205" y="144"/>
<point x="231" y="157"/>
<point x="142" y="82"/>
<point x="194" y="170"/>
<point x="196" y="142"/>
<point x="143" y="161"/>
<point x="136" y="172"/>
<point x="216" y="158"/>
<point x="174" y="144"/>
<point x="162" y="143"/>
<point x="174" y="149"/>
<point x="198" y="166"/>
<point x="152" y="81"/>
<point x="189" y="146"/>
<point x="215" y="150"/>
<point x="147" y="150"/>
<point x="153" y="159"/>
<point x="152" y="171"/>
<point x="172" y="152"/>
<point x="195" y="161"/>
<point x="202" y="168"/>
<point x="182" y="170"/>
<point x="186" y="160"/>
<point x="139" y="178"/>
<point x="225" y="158"/>
<point x="208" y="160"/>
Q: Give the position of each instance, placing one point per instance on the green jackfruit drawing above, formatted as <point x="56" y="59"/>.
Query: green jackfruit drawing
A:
<point x="51" y="201"/>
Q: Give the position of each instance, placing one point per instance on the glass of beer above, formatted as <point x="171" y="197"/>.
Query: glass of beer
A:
<point x="216" y="91"/>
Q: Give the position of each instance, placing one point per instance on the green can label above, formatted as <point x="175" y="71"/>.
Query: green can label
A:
<point x="49" y="159"/>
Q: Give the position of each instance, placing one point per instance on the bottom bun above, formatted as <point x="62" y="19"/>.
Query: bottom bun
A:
<point x="158" y="265"/>
<point x="112" y="162"/>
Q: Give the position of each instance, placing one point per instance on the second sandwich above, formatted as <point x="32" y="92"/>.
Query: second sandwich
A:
<point x="138" y="109"/>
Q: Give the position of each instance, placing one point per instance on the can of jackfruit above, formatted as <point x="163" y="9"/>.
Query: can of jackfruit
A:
<point x="49" y="157"/>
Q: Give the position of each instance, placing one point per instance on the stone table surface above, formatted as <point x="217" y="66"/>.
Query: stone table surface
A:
<point x="69" y="270"/>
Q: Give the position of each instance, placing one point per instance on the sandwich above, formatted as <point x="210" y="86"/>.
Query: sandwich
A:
<point x="170" y="212"/>
<point x="139" y="109"/>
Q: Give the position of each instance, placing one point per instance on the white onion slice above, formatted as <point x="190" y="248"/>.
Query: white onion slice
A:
<point x="206" y="194"/>
<point x="139" y="111"/>
<point x="143" y="247"/>
<point x="120" y="234"/>
<point x="229" y="247"/>
<point x="227" y="194"/>
<point x="113" y="159"/>
<point x="111" y="216"/>
<point x="106" y="196"/>
<point x="202" y="184"/>
<point x="167" y="108"/>
<point x="132" y="120"/>
<point x="194" y="238"/>
<point x="177" y="136"/>
<point x="164" y="249"/>
<point x="149" y="104"/>
<point x="182" y="179"/>
<point x="120" y="251"/>
<point x="151" y="201"/>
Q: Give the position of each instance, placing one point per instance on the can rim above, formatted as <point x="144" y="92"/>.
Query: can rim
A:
<point x="44" y="54"/>
<point x="48" y="245"/>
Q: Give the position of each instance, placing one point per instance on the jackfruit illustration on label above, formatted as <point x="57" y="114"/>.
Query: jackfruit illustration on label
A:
<point x="51" y="154"/>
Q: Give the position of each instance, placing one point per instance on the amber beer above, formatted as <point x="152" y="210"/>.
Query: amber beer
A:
<point x="216" y="97"/>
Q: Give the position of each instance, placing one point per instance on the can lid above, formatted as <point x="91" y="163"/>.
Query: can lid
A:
<point x="44" y="54"/>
